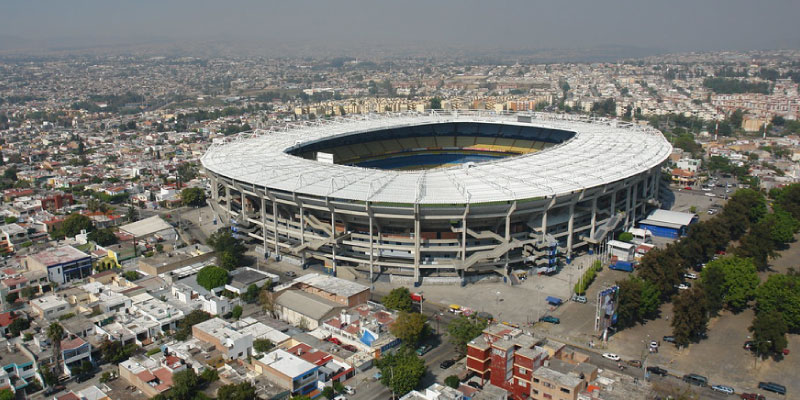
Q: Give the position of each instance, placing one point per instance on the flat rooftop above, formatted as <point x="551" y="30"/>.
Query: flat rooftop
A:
<point x="339" y="287"/>
<point x="58" y="255"/>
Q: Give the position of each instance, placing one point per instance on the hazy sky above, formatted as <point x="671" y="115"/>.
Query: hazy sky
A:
<point x="673" y="25"/>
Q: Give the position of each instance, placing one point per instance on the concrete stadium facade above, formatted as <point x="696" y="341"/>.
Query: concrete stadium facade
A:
<point x="599" y="177"/>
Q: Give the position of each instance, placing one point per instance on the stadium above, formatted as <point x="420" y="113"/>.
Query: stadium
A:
<point x="437" y="194"/>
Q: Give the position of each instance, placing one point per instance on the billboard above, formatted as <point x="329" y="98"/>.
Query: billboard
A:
<point x="606" y="314"/>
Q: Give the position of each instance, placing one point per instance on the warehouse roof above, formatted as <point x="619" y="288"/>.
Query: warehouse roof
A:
<point x="147" y="226"/>
<point x="669" y="218"/>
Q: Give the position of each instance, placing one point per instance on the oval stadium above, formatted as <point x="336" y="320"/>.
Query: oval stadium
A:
<point x="440" y="194"/>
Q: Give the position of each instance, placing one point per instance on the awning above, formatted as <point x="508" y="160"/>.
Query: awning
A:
<point x="455" y="306"/>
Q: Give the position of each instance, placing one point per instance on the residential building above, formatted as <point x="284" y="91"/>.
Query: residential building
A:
<point x="49" y="307"/>
<point x="63" y="264"/>
<point x="74" y="351"/>
<point x="227" y="340"/>
<point x="289" y="371"/>
<point x="343" y="292"/>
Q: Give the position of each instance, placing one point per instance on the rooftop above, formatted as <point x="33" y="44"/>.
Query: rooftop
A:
<point x="287" y="363"/>
<point x="307" y="304"/>
<point x="337" y="286"/>
<point x="58" y="255"/>
<point x="147" y="226"/>
<point x="602" y="151"/>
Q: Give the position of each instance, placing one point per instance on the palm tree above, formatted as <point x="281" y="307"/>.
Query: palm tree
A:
<point x="55" y="332"/>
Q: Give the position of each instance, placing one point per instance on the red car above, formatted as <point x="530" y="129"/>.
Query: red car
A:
<point x="752" y="396"/>
<point x="687" y="188"/>
<point x="334" y="340"/>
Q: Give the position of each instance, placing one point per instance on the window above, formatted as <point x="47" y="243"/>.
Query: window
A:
<point x="521" y="370"/>
<point x="535" y="380"/>
<point x="565" y="390"/>
<point x="522" y="383"/>
<point x="534" y="391"/>
<point x="547" y="385"/>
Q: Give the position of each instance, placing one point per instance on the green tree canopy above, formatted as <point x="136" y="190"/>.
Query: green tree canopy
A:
<point x="211" y="277"/>
<point x="769" y="332"/>
<point x="193" y="318"/>
<point x="242" y="391"/>
<point x="410" y="328"/>
<point x="103" y="237"/>
<point x="788" y="199"/>
<point x="236" y="313"/>
<point x="436" y="104"/>
<point x="195" y="197"/>
<point x="463" y="329"/>
<point x="690" y="319"/>
<point x="452" y="381"/>
<point x="782" y="226"/>
<point x="781" y="293"/>
<point x="402" y="370"/>
<point x="230" y="250"/>
<point x="18" y="325"/>
<point x="398" y="299"/>
<point x="114" y="352"/>
<point x="74" y="224"/>
<point x="7" y="394"/>
<point x="263" y="345"/>
<point x="758" y="245"/>
<point x="184" y="385"/>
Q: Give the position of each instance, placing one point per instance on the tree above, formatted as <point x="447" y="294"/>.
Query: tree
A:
<point x="690" y="319"/>
<point x="782" y="226"/>
<point x="629" y="302"/>
<point x="74" y="224"/>
<point x="626" y="237"/>
<point x="236" y="313"/>
<point x="49" y="378"/>
<point x="230" y="250"/>
<point x="788" y="199"/>
<point x="713" y="280"/>
<point x="55" y="332"/>
<point x="402" y="370"/>
<point x="328" y="393"/>
<point x="193" y="318"/>
<point x="452" y="381"/>
<point x="103" y="237"/>
<point x="266" y="301"/>
<point x="740" y="281"/>
<point x="769" y="333"/>
<point x="263" y="345"/>
<point x="7" y="394"/>
<point x="758" y="246"/>
<point x="114" y="352"/>
<point x="195" y="197"/>
<point x="18" y="325"/>
<point x="131" y="275"/>
<point x="462" y="330"/>
<point x="242" y="391"/>
<point x="436" y="104"/>
<point x="664" y="268"/>
<point x="650" y="300"/>
<point x="187" y="172"/>
<point x="251" y="294"/>
<point x="211" y="277"/>
<point x="781" y="293"/>
<point x="132" y="214"/>
<point x="184" y="385"/>
<point x="410" y="328"/>
<point x="398" y="299"/>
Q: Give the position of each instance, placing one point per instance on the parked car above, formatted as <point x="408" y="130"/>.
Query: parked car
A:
<point x="340" y="397"/>
<point x="446" y="364"/>
<point x="611" y="356"/>
<point x="687" y="188"/>
<point x="669" y="339"/>
<point x="422" y="350"/>
<point x="694" y="379"/>
<point x="334" y="340"/>
<point x="634" y="363"/>
<point x="722" y="389"/>
<point x="291" y="274"/>
<point x="657" y="371"/>
<point x="690" y="275"/>
<point x="349" y="389"/>
<point x="750" y="345"/>
<point x="475" y="385"/>
<point x="551" y="319"/>
<point x="772" y="387"/>
<point x="752" y="396"/>
<point x="579" y="298"/>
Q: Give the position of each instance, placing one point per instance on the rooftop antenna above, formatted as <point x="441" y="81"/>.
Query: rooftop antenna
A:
<point x="716" y="130"/>
<point x="765" y="130"/>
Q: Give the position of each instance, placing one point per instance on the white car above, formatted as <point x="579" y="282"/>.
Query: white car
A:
<point x="349" y="390"/>
<point x="683" y="286"/>
<point x="340" y="397"/>
<point x="690" y="275"/>
<point x="723" y="389"/>
<point x="611" y="356"/>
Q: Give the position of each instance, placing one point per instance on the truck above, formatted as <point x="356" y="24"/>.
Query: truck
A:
<point x="626" y="266"/>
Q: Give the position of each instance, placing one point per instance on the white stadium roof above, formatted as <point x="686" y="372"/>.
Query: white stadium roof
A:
<point x="602" y="151"/>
